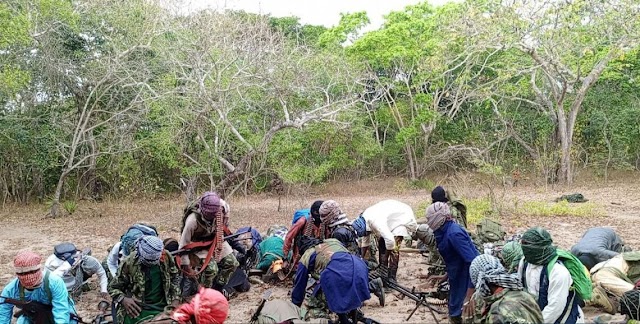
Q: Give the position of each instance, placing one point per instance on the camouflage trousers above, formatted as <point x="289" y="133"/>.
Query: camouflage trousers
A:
<point x="389" y="259"/>
<point x="316" y="307"/>
<point x="227" y="266"/>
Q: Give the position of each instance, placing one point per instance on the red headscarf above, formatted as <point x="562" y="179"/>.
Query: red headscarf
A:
<point x="208" y="306"/>
<point x="28" y="269"/>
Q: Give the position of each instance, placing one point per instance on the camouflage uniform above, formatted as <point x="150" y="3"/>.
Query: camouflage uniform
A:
<point x="317" y="305"/>
<point x="130" y="281"/>
<point x="227" y="266"/>
<point x="508" y="306"/>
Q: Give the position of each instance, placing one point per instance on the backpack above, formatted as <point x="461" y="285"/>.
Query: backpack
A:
<point x="579" y="273"/>
<point x="633" y="260"/>
<point x="490" y="231"/>
<point x="136" y="231"/>
<point x="301" y="213"/>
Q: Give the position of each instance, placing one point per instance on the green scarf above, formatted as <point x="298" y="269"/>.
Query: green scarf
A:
<point x="537" y="246"/>
<point x="511" y="255"/>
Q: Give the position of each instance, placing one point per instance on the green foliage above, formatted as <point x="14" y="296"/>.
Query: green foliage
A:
<point x="562" y="208"/>
<point x="478" y="209"/>
<point x="70" y="206"/>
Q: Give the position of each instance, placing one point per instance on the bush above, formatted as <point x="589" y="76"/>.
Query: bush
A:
<point x="70" y="206"/>
<point x="562" y="208"/>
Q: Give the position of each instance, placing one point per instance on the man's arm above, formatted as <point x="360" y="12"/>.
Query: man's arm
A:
<point x="174" y="273"/>
<point x="91" y="265"/>
<point x="559" y="283"/>
<point x="190" y="226"/>
<point x="113" y="259"/>
<point x="118" y="286"/>
<point x="59" y="300"/>
<point x="462" y="243"/>
<point x="6" y="309"/>
<point x="291" y="235"/>
<point x="300" y="283"/>
<point x="379" y="226"/>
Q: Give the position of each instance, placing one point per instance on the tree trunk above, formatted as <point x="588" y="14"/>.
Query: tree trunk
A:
<point x="411" y="162"/>
<point x="55" y="203"/>
<point x="565" y="174"/>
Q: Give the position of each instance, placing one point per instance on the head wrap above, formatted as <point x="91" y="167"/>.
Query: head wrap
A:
<point x="486" y="269"/>
<point x="28" y="269"/>
<point x="307" y="242"/>
<point x="511" y="255"/>
<point x="360" y="226"/>
<point x="630" y="304"/>
<point x="207" y="306"/>
<point x="437" y="214"/>
<point x="439" y="195"/>
<point x="425" y="234"/>
<point x="315" y="211"/>
<point x="209" y="205"/>
<point x="331" y="214"/>
<point x="537" y="246"/>
<point x="149" y="249"/>
<point x="170" y="244"/>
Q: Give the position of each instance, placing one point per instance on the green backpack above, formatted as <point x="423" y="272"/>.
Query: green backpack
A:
<point x="490" y="231"/>
<point x="579" y="273"/>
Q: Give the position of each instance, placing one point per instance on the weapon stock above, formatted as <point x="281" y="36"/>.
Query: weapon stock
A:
<point x="419" y="297"/>
<point x="36" y="311"/>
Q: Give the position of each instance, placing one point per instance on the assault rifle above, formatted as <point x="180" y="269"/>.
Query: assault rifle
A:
<point x="105" y="316"/>
<point x="419" y="297"/>
<point x="37" y="312"/>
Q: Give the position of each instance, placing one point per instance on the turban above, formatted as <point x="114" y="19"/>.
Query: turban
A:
<point x="486" y="269"/>
<point x="437" y="214"/>
<point x="511" y="255"/>
<point x="28" y="269"/>
<point x="207" y="306"/>
<point x="360" y="226"/>
<point x="537" y="246"/>
<point x="331" y="214"/>
<point x="149" y="249"/>
<point x="439" y="195"/>
<point x="209" y="204"/>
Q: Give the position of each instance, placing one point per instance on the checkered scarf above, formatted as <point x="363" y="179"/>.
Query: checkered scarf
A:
<point x="149" y="249"/>
<point x="486" y="269"/>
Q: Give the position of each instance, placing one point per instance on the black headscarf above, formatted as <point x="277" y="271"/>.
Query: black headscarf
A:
<point x="439" y="195"/>
<point x="315" y="212"/>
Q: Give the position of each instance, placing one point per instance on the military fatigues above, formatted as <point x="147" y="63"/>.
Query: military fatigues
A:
<point x="508" y="306"/>
<point x="317" y="305"/>
<point x="131" y="281"/>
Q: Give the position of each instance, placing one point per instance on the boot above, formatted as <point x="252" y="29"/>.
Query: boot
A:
<point x="376" y="286"/>
<point x="391" y="274"/>
<point x="603" y="300"/>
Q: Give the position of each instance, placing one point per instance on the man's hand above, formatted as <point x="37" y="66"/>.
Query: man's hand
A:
<point x="433" y="281"/>
<point x="188" y="271"/>
<point x="396" y="248"/>
<point x="105" y="296"/>
<point x="468" y="308"/>
<point x="131" y="306"/>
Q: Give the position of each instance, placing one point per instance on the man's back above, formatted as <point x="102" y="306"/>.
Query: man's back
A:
<point x="596" y="245"/>
<point x="513" y="306"/>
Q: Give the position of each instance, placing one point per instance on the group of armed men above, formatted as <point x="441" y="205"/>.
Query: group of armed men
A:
<point x="491" y="279"/>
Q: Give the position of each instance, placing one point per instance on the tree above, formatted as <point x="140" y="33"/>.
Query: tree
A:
<point x="241" y="83"/>
<point x="569" y="44"/>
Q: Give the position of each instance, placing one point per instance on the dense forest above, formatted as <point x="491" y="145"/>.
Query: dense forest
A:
<point x="119" y="98"/>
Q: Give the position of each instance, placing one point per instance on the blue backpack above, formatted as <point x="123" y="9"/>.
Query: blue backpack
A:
<point x="301" y="213"/>
<point x="136" y="231"/>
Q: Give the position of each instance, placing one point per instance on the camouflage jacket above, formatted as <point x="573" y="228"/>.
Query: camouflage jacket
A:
<point x="130" y="281"/>
<point x="508" y="306"/>
<point x="324" y="251"/>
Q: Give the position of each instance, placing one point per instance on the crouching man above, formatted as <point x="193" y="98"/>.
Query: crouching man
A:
<point x="52" y="302"/>
<point x="146" y="282"/>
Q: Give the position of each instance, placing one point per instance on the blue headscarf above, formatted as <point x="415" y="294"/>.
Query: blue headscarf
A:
<point x="360" y="226"/>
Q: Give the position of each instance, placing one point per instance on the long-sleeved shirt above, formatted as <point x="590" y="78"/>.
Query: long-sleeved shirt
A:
<point x="389" y="218"/>
<point x="558" y="292"/>
<point x="113" y="259"/>
<point x="74" y="278"/>
<point x="196" y="231"/>
<point x="62" y="305"/>
<point x="457" y="251"/>
<point x="597" y="245"/>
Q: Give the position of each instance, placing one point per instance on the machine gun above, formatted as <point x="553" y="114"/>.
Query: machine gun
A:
<point x="265" y="298"/>
<point x="38" y="313"/>
<point x="105" y="316"/>
<point x="419" y="297"/>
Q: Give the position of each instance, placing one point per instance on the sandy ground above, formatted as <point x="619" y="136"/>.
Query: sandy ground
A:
<point x="99" y="225"/>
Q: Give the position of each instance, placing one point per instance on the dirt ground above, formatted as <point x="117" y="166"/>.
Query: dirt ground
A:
<point x="99" y="225"/>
